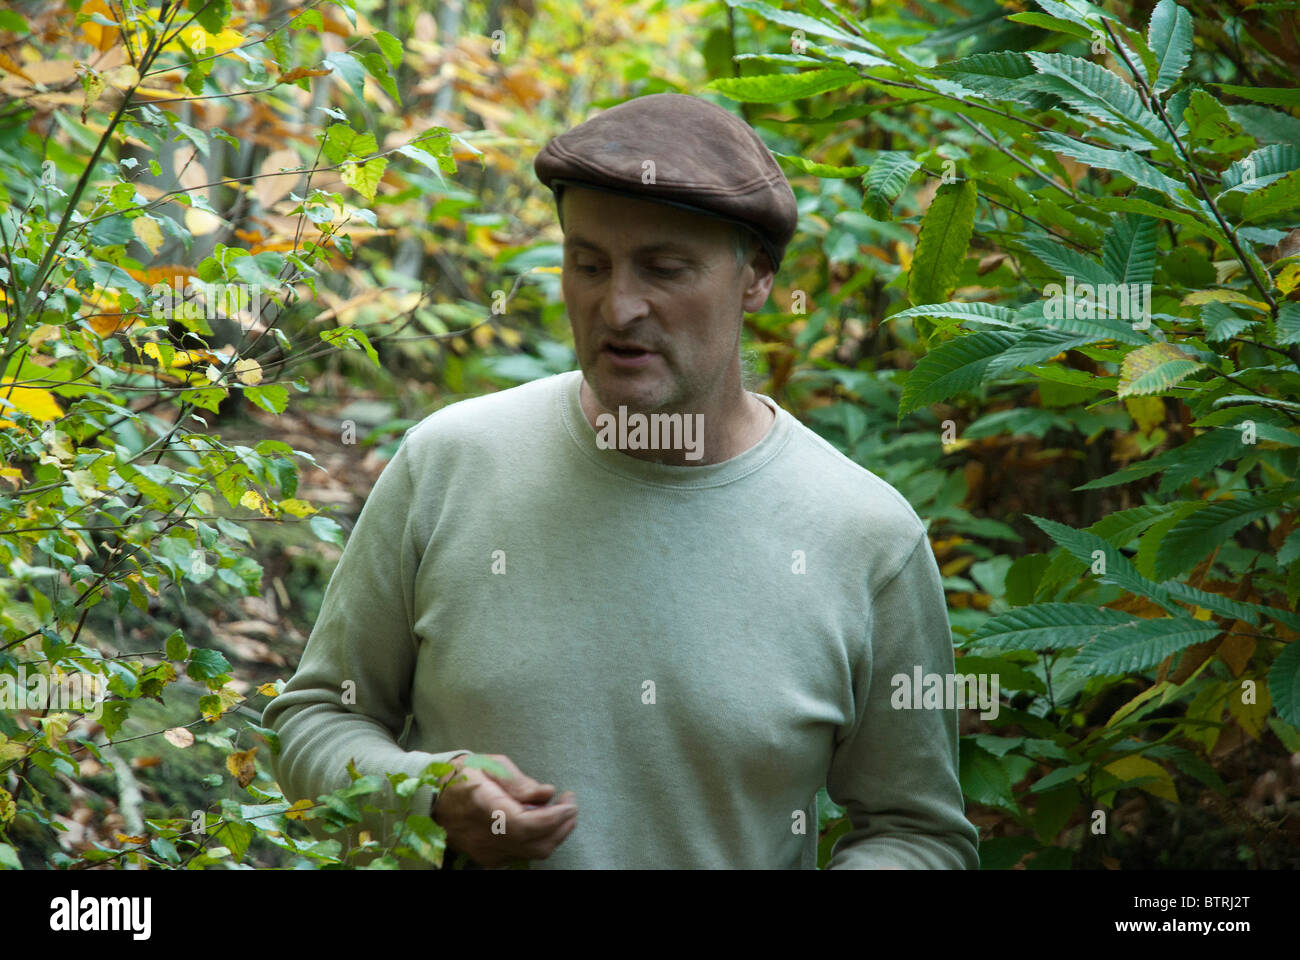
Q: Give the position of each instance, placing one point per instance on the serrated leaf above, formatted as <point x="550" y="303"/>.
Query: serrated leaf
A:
<point x="1142" y="644"/>
<point x="1129" y="250"/>
<point x="206" y="664"/>
<point x="1280" y="196"/>
<point x="1066" y="261"/>
<point x="1211" y="525"/>
<point x="1170" y="38"/>
<point x="975" y="312"/>
<point x="885" y="180"/>
<point x="1284" y="683"/>
<point x="1048" y="626"/>
<point x="951" y="368"/>
<point x="1093" y="91"/>
<point x="1155" y="368"/>
<point x="778" y="87"/>
<point x="945" y="236"/>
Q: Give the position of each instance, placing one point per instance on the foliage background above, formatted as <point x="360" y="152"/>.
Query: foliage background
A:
<point x="175" y="493"/>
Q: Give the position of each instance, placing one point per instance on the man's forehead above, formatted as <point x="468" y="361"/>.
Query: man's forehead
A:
<point x="660" y="227"/>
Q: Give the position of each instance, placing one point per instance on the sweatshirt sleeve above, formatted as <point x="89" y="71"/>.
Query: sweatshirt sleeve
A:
<point x="351" y="694"/>
<point x="895" y="771"/>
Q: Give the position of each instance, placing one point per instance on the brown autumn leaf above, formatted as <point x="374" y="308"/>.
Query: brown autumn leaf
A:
<point x="179" y="737"/>
<point x="300" y="73"/>
<point x="242" y="767"/>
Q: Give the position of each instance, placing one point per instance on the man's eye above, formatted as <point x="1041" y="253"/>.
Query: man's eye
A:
<point x="587" y="268"/>
<point x="664" y="271"/>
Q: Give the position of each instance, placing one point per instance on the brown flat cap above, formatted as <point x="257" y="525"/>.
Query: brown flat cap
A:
<point x="705" y="160"/>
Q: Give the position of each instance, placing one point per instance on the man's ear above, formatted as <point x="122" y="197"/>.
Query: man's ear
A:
<point x="762" y="277"/>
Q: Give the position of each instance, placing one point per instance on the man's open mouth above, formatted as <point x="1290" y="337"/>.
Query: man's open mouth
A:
<point x="628" y="355"/>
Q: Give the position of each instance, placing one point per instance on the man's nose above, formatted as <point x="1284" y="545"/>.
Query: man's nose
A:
<point x="625" y="301"/>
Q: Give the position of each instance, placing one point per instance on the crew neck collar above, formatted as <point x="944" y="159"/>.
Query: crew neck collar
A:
<point x="567" y="386"/>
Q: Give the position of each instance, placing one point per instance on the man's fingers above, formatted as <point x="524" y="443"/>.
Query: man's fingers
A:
<point x="529" y="826"/>
<point x="519" y="785"/>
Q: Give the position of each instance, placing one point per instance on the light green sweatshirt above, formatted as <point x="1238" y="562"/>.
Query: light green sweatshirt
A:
<point x="693" y="650"/>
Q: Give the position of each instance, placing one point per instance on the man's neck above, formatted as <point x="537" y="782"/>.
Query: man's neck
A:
<point x="742" y="425"/>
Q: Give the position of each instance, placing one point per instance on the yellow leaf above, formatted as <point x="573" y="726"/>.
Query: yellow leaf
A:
<point x="297" y="508"/>
<point x="1289" y="279"/>
<point x="1147" y="412"/>
<point x="7" y="806"/>
<point x="299" y="809"/>
<point x="148" y="232"/>
<point x="268" y="690"/>
<point x="1133" y="767"/>
<point x="1251" y="716"/>
<point x="35" y="403"/>
<point x="200" y="222"/>
<point x="253" y="500"/>
<point x="1199" y="297"/>
<point x="242" y="767"/>
<point x="123" y="77"/>
<point x="248" y="371"/>
<point x="100" y="37"/>
<point x="45" y="331"/>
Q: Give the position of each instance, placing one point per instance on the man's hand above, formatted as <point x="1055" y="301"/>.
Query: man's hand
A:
<point x="474" y="800"/>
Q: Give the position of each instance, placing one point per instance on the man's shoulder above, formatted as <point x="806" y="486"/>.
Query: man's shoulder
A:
<point x="849" y="495"/>
<point x="503" y="418"/>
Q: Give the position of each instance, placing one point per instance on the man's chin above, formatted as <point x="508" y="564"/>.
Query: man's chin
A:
<point x="614" y="392"/>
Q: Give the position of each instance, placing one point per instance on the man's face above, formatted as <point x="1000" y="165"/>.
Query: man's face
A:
<point x="656" y="301"/>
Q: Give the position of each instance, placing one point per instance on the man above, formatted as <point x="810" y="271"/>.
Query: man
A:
<point x="691" y="626"/>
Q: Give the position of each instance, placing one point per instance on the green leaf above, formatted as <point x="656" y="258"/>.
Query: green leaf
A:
<point x="391" y="47"/>
<point x="1280" y="196"/>
<point x="1129" y="250"/>
<point x="271" y="397"/>
<point x="1213" y="524"/>
<point x="377" y="66"/>
<point x="346" y="66"/>
<point x="1141" y="645"/>
<point x="1170" y="38"/>
<point x="945" y="235"/>
<point x="1095" y="92"/>
<point x="1066" y="261"/>
<point x="1048" y="626"/>
<point x="206" y="664"/>
<point x="364" y="177"/>
<point x="177" y="648"/>
<point x="1284" y="683"/>
<point x="984" y="777"/>
<point x="1038" y="346"/>
<point x="885" y="180"/>
<point x="1117" y="568"/>
<point x="1267" y="161"/>
<point x="1125" y="162"/>
<point x="798" y="21"/>
<point x="778" y="87"/>
<point x="350" y="338"/>
<point x="343" y="143"/>
<point x="819" y="169"/>
<point x="974" y="312"/>
<point x="326" y="529"/>
<point x="1277" y="96"/>
<point x="951" y="368"/>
